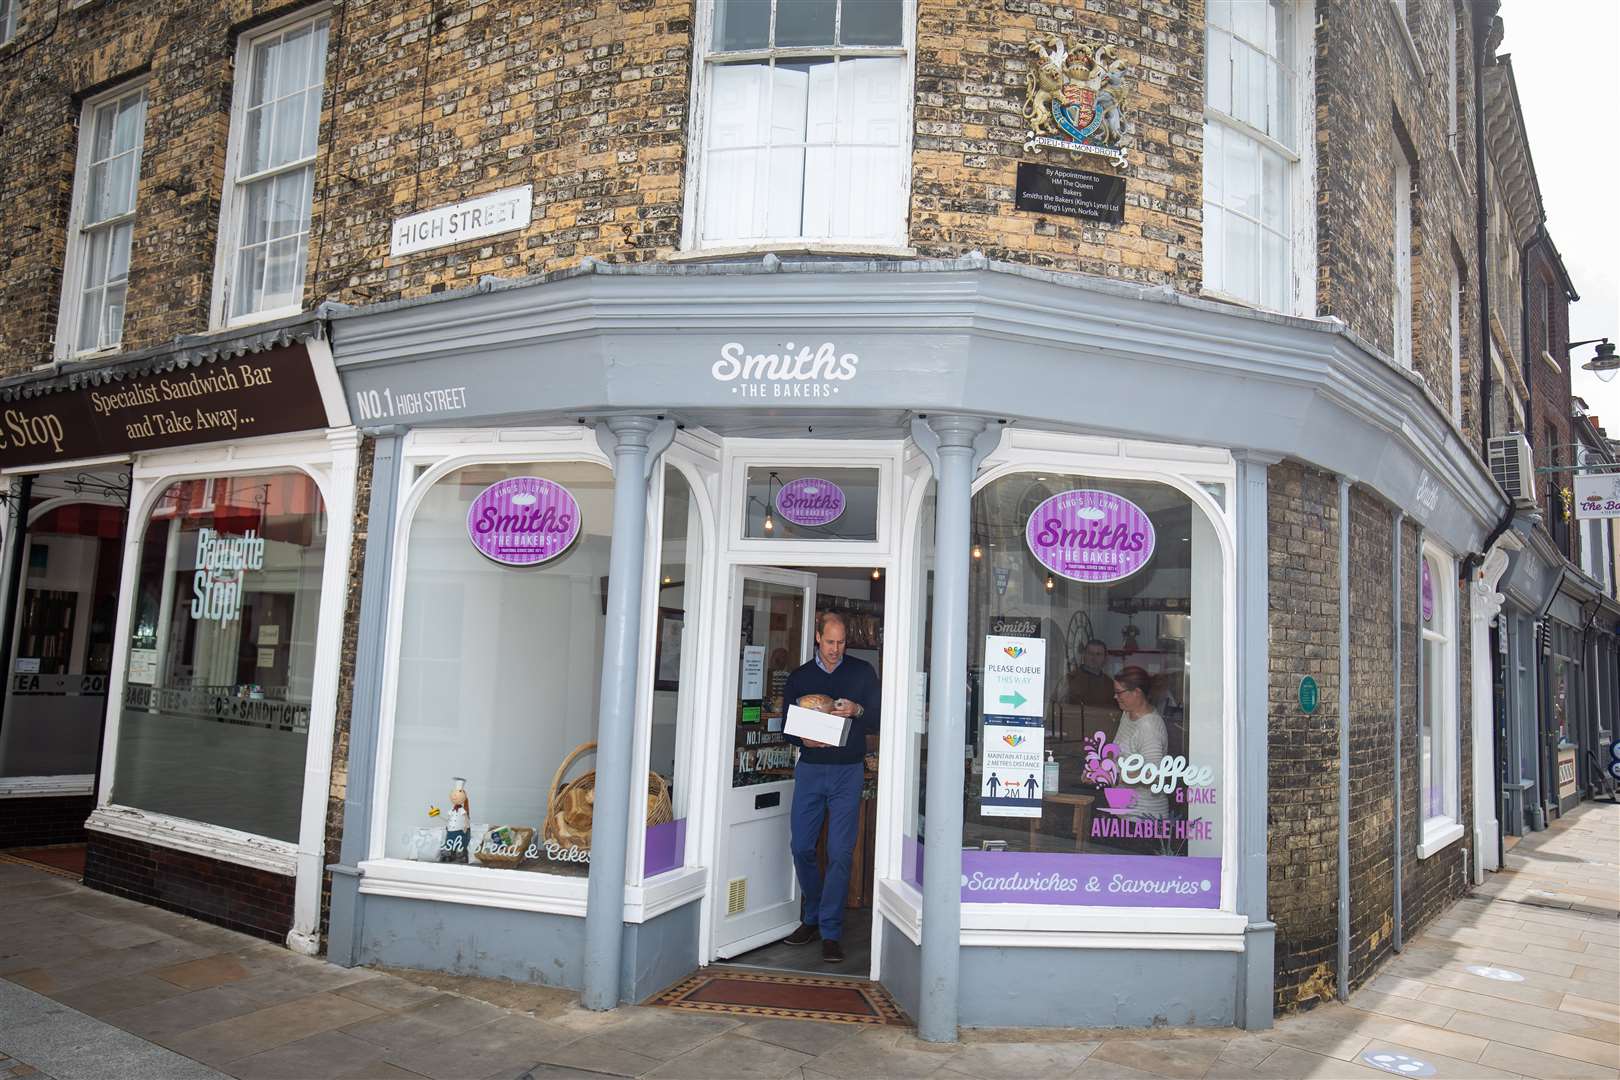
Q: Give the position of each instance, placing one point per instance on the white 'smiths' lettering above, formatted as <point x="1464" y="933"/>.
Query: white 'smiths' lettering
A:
<point x="810" y="372"/>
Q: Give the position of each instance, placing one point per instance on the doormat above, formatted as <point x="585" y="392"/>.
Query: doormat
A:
<point x="63" y="860"/>
<point x="784" y="997"/>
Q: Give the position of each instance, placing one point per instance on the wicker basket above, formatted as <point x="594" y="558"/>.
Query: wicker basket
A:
<point x="570" y="806"/>
<point x="522" y="835"/>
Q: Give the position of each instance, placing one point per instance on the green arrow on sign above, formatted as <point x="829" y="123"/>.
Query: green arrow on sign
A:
<point x="1015" y="699"/>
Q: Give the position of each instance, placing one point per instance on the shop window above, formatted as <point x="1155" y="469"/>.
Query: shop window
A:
<point x="1256" y="177"/>
<point x="96" y="271"/>
<point x="265" y="213"/>
<point x="811" y="503"/>
<point x="1438" y="746"/>
<point x="805" y="136"/>
<point x="215" y="714"/>
<point x="67" y="605"/>
<point x="500" y="667"/>
<point x="680" y="573"/>
<point x="1095" y="728"/>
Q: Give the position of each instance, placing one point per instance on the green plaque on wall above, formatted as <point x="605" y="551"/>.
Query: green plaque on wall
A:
<point x="1309" y="696"/>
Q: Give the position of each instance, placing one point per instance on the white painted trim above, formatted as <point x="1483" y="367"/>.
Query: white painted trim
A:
<point x="1048" y="939"/>
<point x="1398" y="12"/>
<point x="38" y="787"/>
<point x="519" y="890"/>
<point x="196" y="837"/>
<point x="807" y="247"/>
<point x="901" y="906"/>
<point x="1438" y="833"/>
<point x="326" y="379"/>
<point x="225" y="246"/>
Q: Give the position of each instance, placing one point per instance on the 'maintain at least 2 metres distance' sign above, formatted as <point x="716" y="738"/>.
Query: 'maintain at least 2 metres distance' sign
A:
<point x="1014" y="727"/>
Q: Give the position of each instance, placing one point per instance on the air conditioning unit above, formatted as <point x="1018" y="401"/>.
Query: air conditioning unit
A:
<point x="1513" y="467"/>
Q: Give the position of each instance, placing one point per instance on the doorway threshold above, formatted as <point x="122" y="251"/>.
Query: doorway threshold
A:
<point x="734" y="991"/>
<point x="806" y="959"/>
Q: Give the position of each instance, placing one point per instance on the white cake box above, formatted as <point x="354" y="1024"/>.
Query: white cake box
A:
<point x="820" y="726"/>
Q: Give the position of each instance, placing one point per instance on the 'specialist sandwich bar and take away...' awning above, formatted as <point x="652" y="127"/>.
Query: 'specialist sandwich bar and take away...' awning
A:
<point x="274" y="379"/>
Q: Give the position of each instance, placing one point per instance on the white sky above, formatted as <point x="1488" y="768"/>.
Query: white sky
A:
<point x="1566" y="61"/>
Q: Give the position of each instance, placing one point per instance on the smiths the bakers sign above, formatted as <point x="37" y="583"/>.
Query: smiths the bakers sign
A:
<point x="1075" y="99"/>
<point x="265" y="393"/>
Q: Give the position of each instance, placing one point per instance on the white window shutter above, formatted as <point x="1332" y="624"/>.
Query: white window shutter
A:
<point x="782" y="183"/>
<point x="737" y="97"/>
<point x="852" y="189"/>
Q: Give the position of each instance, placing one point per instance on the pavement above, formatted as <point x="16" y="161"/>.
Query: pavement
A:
<point x="93" y="986"/>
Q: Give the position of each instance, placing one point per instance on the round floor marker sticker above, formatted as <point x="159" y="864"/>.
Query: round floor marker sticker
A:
<point x="1395" y="1062"/>
<point x="1485" y="971"/>
<point x="523" y="521"/>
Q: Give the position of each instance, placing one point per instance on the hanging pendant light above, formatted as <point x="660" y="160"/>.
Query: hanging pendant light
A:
<point x="1050" y="584"/>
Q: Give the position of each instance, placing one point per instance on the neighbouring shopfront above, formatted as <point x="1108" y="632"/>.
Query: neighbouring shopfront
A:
<point x="176" y="599"/>
<point x="601" y="528"/>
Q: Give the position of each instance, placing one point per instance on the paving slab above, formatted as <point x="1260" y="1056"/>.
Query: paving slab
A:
<point x="66" y="1044"/>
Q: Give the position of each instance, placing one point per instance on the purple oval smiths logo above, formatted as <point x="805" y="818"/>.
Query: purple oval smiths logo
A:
<point x="810" y="501"/>
<point x="1091" y="536"/>
<point x="523" y="521"/>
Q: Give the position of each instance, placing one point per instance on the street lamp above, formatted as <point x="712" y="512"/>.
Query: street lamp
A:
<point x="1604" y="364"/>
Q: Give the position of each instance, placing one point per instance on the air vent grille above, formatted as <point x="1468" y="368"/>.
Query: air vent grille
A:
<point x="737" y="896"/>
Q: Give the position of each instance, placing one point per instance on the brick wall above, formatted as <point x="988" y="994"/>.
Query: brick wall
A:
<point x="1547" y="334"/>
<point x="37" y="821"/>
<point x="238" y="897"/>
<point x="1369" y="87"/>
<point x="1303" y="822"/>
<point x="1372" y="733"/>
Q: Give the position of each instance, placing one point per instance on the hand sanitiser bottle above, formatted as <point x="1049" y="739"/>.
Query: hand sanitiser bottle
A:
<point x="1049" y="779"/>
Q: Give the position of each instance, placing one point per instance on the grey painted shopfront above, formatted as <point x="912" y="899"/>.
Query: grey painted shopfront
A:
<point x="666" y="395"/>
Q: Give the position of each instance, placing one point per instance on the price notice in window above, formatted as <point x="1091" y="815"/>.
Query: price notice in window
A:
<point x="1052" y="189"/>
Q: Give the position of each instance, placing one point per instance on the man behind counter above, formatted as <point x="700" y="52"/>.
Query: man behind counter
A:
<point x="827" y="782"/>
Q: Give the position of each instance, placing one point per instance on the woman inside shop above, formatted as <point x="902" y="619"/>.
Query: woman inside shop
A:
<point x="1141" y="731"/>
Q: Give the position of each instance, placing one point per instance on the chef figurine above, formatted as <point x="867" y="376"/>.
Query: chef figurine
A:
<point x="458" y="823"/>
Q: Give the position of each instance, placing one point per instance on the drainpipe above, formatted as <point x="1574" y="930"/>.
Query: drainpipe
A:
<point x="1481" y="15"/>
<point x="1344" y="739"/>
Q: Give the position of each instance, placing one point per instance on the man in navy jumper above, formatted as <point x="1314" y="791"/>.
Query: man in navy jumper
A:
<point x="827" y="782"/>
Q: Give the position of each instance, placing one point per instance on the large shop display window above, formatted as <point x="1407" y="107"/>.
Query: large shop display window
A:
<point x="64" y="639"/>
<point x="215" y="718"/>
<point x="1095" y="697"/>
<point x="500" y="669"/>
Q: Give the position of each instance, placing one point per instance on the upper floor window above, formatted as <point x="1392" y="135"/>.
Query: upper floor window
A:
<point x="1401" y="197"/>
<point x="8" y="19"/>
<point x="265" y="209"/>
<point x="1257" y="209"/>
<point x="102" y="223"/>
<point x="1438" y="747"/>
<point x="1453" y="91"/>
<point x="803" y="132"/>
<point x="1455" y="326"/>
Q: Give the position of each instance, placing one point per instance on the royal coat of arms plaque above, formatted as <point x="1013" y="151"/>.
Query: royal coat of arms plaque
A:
<point x="1075" y="98"/>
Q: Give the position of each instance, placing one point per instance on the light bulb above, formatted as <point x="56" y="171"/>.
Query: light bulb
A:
<point x="770" y="523"/>
<point x="876" y="573"/>
<point x="978" y="552"/>
<point x="667" y="579"/>
<point x="1050" y="584"/>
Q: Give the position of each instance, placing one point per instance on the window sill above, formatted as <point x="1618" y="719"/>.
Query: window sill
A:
<point x="196" y="837"/>
<point x="794" y="247"/>
<point x="36" y="787"/>
<point x="516" y="890"/>
<point x="1044" y="926"/>
<point x="1438" y="834"/>
<point x="269" y="315"/>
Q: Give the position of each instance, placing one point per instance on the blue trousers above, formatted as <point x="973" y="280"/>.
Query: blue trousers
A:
<point x="833" y="793"/>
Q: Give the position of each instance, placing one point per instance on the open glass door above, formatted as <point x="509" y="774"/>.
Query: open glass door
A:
<point x="773" y="628"/>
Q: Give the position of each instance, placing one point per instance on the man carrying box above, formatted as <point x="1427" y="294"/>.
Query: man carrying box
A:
<point x="827" y="782"/>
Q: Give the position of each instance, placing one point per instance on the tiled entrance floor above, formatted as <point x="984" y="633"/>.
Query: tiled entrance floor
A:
<point x="111" y="968"/>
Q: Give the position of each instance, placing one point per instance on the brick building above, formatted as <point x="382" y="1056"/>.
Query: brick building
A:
<point x="983" y="268"/>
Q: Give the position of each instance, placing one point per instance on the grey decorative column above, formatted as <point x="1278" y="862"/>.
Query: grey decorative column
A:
<point x="343" y="933"/>
<point x="954" y="445"/>
<point x="1257" y="975"/>
<point x="635" y="443"/>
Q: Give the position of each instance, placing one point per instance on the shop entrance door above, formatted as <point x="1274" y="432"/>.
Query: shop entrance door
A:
<point x="772" y="632"/>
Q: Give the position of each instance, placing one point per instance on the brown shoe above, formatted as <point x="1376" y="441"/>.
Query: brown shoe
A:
<point x="831" y="951"/>
<point x="804" y="935"/>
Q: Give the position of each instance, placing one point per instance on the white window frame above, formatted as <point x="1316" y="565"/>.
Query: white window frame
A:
<point x="73" y="263"/>
<point x="1302" y="167"/>
<point x="10" y="18"/>
<point x="231" y="201"/>
<point x="1187" y="469"/>
<point x="1401" y="203"/>
<point x="427" y="457"/>
<point x="1446" y="828"/>
<point x="691" y="242"/>
<point x="331" y="459"/>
